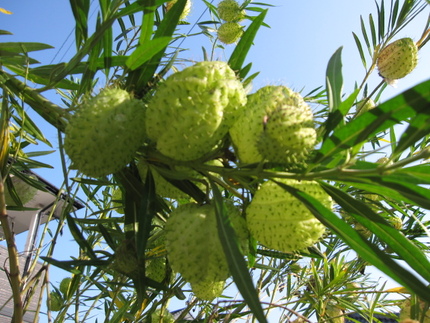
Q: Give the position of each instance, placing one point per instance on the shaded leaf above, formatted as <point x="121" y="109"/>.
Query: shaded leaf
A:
<point x="236" y="262"/>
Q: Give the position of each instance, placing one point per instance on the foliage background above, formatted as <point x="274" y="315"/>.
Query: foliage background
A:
<point x="303" y="41"/>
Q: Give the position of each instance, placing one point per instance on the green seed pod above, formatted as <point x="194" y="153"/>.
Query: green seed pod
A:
<point x="193" y="110"/>
<point x="56" y="301"/>
<point x="364" y="106"/>
<point x="193" y="246"/>
<point x="207" y="289"/>
<point x="104" y="134"/>
<point x="280" y="221"/>
<point x="65" y="284"/>
<point x="162" y="316"/>
<point x="125" y="259"/>
<point x="398" y="59"/>
<point x="416" y="312"/>
<point x="248" y="130"/>
<point x="230" y="11"/>
<point x="230" y="32"/>
<point x="289" y="135"/>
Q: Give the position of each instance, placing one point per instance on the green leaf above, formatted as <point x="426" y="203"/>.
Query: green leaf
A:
<point x="23" y="47"/>
<point x="420" y="172"/>
<point x="236" y="262"/>
<point x="79" y="237"/>
<point x="370" y="123"/>
<point x="364" y="32"/>
<point x="418" y="128"/>
<point x="336" y="117"/>
<point x="238" y="56"/>
<point x="360" y="49"/>
<point x="146" y="51"/>
<point x="373" y="31"/>
<point x="334" y="80"/>
<point x="70" y="265"/>
<point x="408" y="251"/>
<point x="80" y="9"/>
<point x="139" y="78"/>
<point x="364" y="248"/>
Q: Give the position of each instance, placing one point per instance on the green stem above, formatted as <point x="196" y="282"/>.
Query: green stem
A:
<point x="14" y="273"/>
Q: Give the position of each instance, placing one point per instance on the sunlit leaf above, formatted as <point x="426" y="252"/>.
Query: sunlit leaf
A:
<point x="382" y="117"/>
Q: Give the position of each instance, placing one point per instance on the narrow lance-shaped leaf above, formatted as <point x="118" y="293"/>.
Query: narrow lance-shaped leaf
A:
<point x="360" y="49"/>
<point x="381" y="21"/>
<point x="384" y="116"/>
<point x="139" y="78"/>
<point x="418" y="128"/>
<point x="364" y="248"/>
<point x="146" y="51"/>
<point x="373" y="31"/>
<point x="384" y="231"/>
<point x="236" y="262"/>
<point x="366" y="38"/>
<point x="79" y="237"/>
<point x="238" y="56"/>
<point x="334" y="80"/>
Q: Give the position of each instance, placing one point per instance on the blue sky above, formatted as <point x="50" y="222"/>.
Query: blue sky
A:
<point x="293" y="52"/>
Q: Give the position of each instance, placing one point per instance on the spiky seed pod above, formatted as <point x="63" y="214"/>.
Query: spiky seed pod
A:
<point x="55" y="301"/>
<point x="398" y="59"/>
<point x="156" y="268"/>
<point x="105" y="132"/>
<point x="280" y="221"/>
<point x="162" y="316"/>
<point x="125" y="258"/>
<point x="396" y="222"/>
<point x="25" y="191"/>
<point x="187" y="8"/>
<point x="247" y="131"/>
<point x="208" y="290"/>
<point x="193" y="246"/>
<point x="230" y="32"/>
<point x="335" y="314"/>
<point x="193" y="110"/>
<point x="230" y="11"/>
<point x="289" y="135"/>
<point x="64" y="285"/>
<point x="364" y="106"/>
<point x="416" y="311"/>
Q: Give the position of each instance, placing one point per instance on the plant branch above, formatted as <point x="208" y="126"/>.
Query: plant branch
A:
<point x="13" y="273"/>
